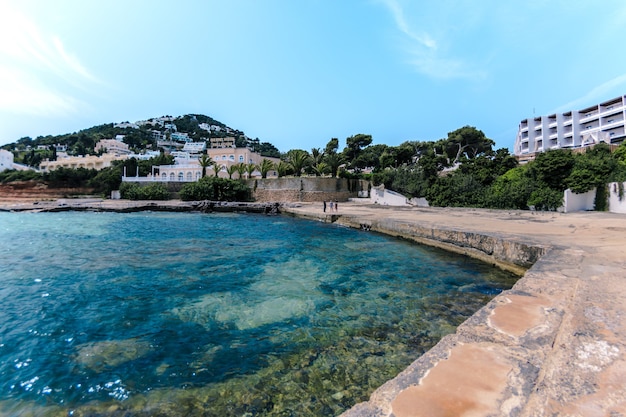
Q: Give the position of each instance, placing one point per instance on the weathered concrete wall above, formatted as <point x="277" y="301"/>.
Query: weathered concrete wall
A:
<point x="379" y="195"/>
<point x="305" y="189"/>
<point x="578" y="202"/>
<point x="617" y="200"/>
<point x="504" y="253"/>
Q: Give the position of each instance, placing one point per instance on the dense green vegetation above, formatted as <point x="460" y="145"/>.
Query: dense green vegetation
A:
<point x="155" y="191"/>
<point x="461" y="170"/>
<point x="215" y="189"/>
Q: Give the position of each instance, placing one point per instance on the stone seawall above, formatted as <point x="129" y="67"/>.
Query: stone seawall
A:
<point x="305" y="189"/>
<point x="506" y="254"/>
<point x="555" y="344"/>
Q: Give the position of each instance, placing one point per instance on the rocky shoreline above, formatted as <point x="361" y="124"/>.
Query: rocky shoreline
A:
<point x="129" y="206"/>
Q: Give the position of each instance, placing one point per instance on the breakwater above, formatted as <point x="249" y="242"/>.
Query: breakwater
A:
<point x="552" y="345"/>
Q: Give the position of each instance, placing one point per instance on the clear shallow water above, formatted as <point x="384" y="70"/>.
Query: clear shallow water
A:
<point x="152" y="314"/>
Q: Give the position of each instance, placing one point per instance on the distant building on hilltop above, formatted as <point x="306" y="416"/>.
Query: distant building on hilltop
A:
<point x="604" y="122"/>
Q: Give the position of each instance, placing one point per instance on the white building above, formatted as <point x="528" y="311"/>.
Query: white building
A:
<point x="88" y="162"/>
<point x="6" y="160"/>
<point x="604" y="122"/>
<point x="112" y="146"/>
<point x="194" y="147"/>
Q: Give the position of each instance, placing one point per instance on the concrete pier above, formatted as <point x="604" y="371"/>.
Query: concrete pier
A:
<point x="553" y="345"/>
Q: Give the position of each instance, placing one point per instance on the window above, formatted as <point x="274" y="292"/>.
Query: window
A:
<point x="164" y="176"/>
<point x="240" y="158"/>
<point x="172" y="176"/>
<point x="189" y="176"/>
<point x="198" y="175"/>
<point x="180" y="176"/>
<point x="232" y="157"/>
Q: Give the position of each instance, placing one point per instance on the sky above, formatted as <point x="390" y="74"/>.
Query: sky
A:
<point x="297" y="73"/>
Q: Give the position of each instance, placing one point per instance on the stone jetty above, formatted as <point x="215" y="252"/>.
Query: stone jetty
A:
<point x="553" y="345"/>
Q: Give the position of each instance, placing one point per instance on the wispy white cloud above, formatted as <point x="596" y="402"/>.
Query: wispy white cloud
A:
<point x="604" y="91"/>
<point x="397" y="12"/>
<point x="424" y="53"/>
<point x="37" y="74"/>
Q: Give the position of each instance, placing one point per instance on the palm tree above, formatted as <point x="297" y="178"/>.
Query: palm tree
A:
<point x="230" y="170"/>
<point x="316" y="156"/>
<point x="250" y="168"/>
<point x="241" y="169"/>
<point x="281" y="168"/>
<point x="334" y="161"/>
<point x="205" y="162"/>
<point x="265" y="167"/>
<point x="321" y="168"/>
<point x="217" y="168"/>
<point x="298" y="159"/>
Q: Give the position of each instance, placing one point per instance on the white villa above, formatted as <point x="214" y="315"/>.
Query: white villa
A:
<point x="604" y="122"/>
<point x="187" y="167"/>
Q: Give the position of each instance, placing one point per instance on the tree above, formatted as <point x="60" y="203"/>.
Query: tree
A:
<point x="512" y="190"/>
<point x="250" y="168"/>
<point x="320" y="168"/>
<point x="265" y="167"/>
<point x="552" y="168"/>
<point x="230" y="170"/>
<point x="217" y="167"/>
<point x="331" y="146"/>
<point x="466" y="141"/>
<point x="241" y="169"/>
<point x="316" y="156"/>
<point x="334" y="161"/>
<point x="354" y="145"/>
<point x="592" y="169"/>
<point x="205" y="162"/>
<point x="298" y="159"/>
<point x="282" y="168"/>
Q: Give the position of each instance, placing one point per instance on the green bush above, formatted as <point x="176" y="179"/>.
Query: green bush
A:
<point x="546" y="199"/>
<point x="151" y="192"/>
<point x="12" y="175"/>
<point x="216" y="189"/>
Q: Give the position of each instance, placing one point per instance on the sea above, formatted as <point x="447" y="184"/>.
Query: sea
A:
<point x="230" y="314"/>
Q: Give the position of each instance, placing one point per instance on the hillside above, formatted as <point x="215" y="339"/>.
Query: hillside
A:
<point x="141" y="135"/>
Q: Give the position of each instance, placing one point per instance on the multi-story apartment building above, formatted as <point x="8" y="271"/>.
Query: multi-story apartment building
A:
<point x="604" y="122"/>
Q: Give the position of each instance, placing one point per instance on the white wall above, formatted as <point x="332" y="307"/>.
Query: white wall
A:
<point x="419" y="202"/>
<point x="615" y="205"/>
<point x="378" y="195"/>
<point x="6" y="160"/>
<point x="578" y="202"/>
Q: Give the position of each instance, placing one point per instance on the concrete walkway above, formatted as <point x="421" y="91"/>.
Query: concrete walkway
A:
<point x="553" y="345"/>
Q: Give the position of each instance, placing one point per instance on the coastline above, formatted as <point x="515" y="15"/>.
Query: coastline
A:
<point x="552" y="345"/>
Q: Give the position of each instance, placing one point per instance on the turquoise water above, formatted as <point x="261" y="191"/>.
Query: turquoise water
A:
<point x="144" y="314"/>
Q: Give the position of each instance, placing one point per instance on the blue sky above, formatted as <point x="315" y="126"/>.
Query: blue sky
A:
<point x="297" y="73"/>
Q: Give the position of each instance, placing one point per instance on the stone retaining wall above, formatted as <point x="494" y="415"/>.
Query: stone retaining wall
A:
<point x="305" y="189"/>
